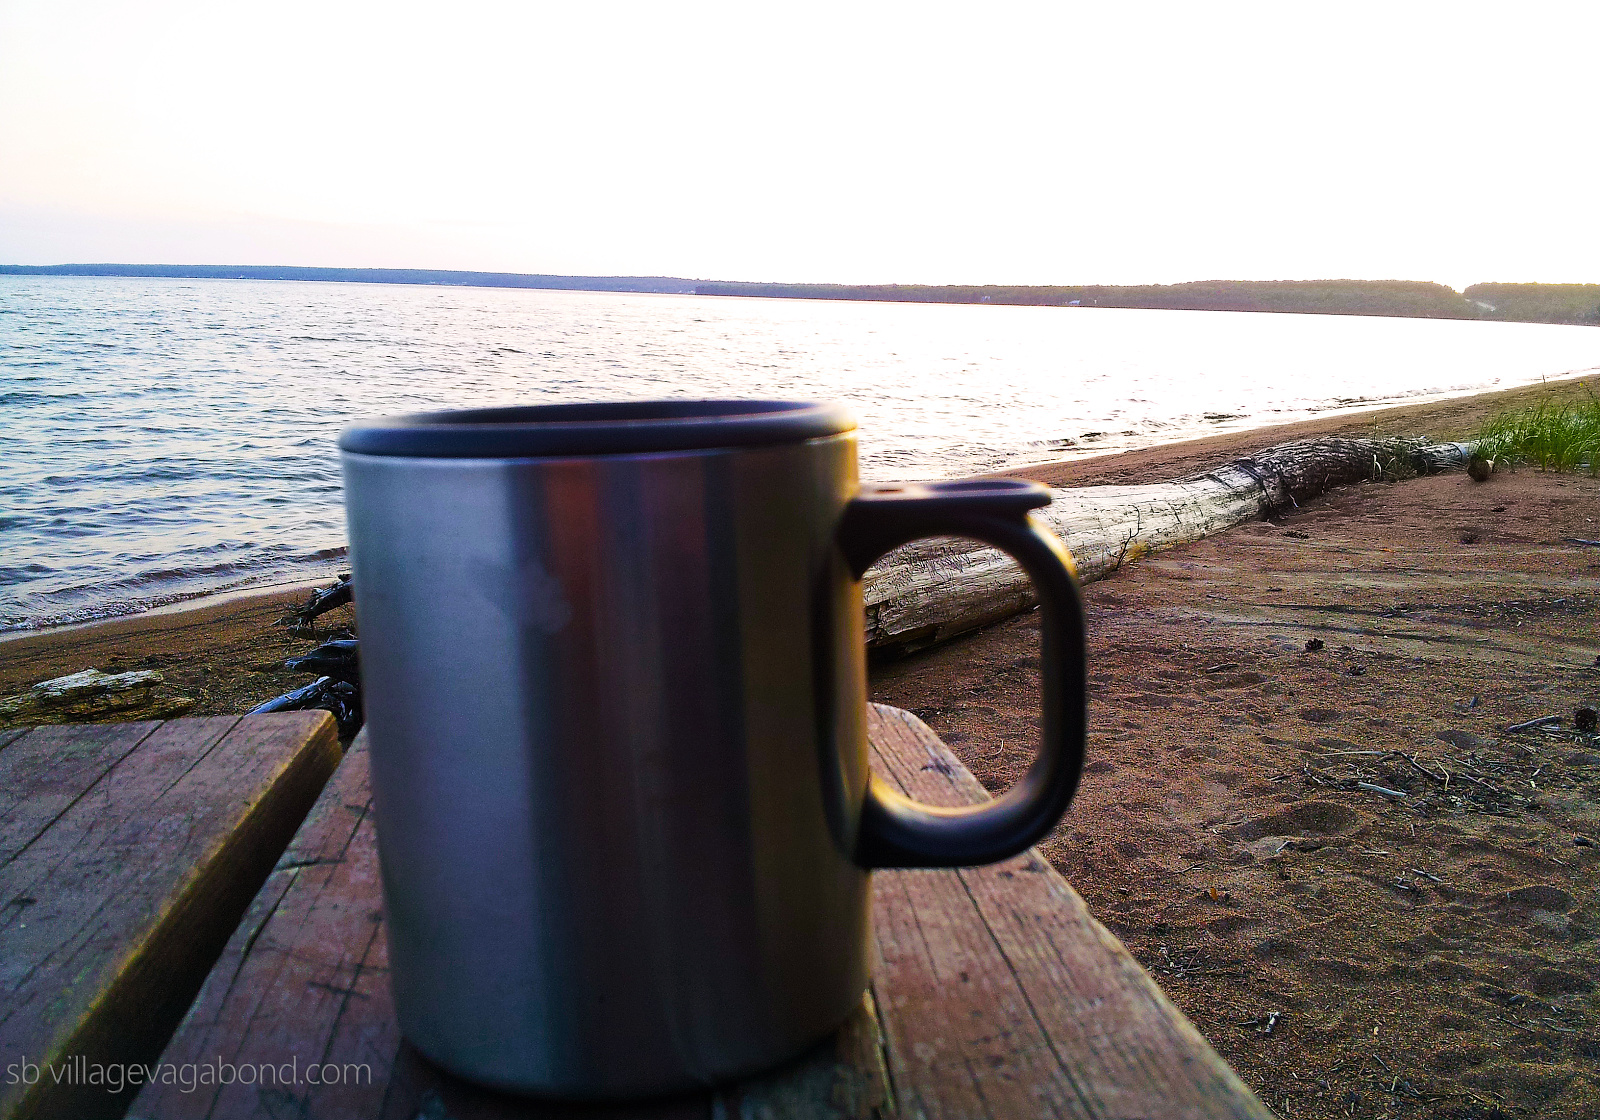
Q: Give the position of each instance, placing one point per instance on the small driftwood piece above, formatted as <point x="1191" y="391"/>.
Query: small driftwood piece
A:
<point x="339" y="659"/>
<point x="929" y="591"/>
<point x="320" y="603"/>
<point x="89" y="695"/>
<point x="341" y="698"/>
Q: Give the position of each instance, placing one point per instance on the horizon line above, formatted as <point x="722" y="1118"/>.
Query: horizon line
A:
<point x="563" y="280"/>
<point x="333" y="273"/>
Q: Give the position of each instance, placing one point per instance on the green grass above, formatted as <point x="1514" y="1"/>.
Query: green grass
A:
<point x="1552" y="437"/>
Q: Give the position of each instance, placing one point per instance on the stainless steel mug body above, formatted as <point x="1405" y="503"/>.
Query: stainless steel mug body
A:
<point x="616" y="711"/>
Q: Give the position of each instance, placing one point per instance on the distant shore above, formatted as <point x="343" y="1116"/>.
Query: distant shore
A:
<point x="1560" y="304"/>
<point x="1556" y="304"/>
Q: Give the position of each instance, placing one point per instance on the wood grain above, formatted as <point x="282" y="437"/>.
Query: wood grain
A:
<point x="50" y="769"/>
<point x="997" y="995"/>
<point x="130" y="851"/>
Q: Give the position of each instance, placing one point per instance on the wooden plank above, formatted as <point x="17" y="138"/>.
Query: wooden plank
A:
<point x="11" y="735"/>
<point x="961" y="992"/>
<point x="306" y="965"/>
<point x="132" y="851"/>
<point x="1002" y="996"/>
<point x="50" y="768"/>
<point x="305" y="980"/>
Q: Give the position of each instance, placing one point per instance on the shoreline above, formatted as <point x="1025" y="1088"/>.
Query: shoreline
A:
<point x="1442" y="419"/>
<point x="197" y="601"/>
<point x="224" y="648"/>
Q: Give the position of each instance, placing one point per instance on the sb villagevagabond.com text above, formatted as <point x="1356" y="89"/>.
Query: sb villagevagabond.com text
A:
<point x="114" y="1077"/>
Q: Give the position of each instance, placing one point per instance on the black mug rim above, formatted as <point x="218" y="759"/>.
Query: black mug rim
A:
<point x="595" y="428"/>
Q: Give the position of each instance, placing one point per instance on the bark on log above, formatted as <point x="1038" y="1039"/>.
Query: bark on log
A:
<point x="933" y="590"/>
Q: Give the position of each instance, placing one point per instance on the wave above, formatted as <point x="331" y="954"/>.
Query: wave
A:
<point x="160" y="587"/>
<point x="31" y="396"/>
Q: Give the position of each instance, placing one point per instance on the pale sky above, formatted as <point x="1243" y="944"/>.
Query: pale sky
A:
<point x="968" y="143"/>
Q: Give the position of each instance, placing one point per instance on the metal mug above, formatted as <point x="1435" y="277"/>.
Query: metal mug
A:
<point x="613" y="665"/>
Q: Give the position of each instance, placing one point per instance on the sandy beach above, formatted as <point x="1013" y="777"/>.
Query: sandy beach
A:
<point x="1421" y="944"/>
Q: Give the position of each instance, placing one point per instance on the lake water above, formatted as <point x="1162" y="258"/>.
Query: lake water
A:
<point x="163" y="439"/>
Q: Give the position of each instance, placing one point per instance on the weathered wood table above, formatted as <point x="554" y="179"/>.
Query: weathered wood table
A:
<point x="995" y="994"/>
<point x="128" y="854"/>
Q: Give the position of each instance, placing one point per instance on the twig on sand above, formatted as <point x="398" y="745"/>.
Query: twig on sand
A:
<point x="1394" y="793"/>
<point x="1542" y="721"/>
<point x="1264" y="1025"/>
<point x="1580" y="540"/>
<point x="1424" y="771"/>
<point x="1468" y="769"/>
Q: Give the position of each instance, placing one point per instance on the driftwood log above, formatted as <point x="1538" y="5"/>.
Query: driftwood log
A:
<point x="929" y="591"/>
<point x="933" y="590"/>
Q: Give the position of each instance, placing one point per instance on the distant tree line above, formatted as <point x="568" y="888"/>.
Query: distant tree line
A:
<point x="449" y="277"/>
<point x="1532" y="303"/>
<point x="1523" y="303"/>
<point x="1538" y="303"/>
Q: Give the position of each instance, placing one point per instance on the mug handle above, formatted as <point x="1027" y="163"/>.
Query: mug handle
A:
<point x="899" y="832"/>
